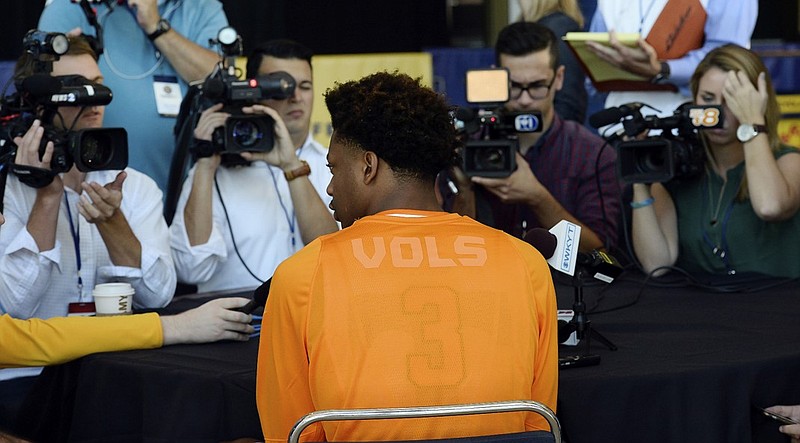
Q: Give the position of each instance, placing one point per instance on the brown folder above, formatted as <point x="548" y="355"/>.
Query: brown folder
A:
<point x="679" y="29"/>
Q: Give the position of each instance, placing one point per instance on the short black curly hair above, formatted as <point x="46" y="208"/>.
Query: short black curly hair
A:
<point x="394" y="116"/>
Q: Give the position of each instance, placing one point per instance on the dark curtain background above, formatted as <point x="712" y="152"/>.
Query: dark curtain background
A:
<point x="353" y="26"/>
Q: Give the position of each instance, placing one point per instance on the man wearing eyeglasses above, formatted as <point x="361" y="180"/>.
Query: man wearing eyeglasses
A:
<point x="563" y="172"/>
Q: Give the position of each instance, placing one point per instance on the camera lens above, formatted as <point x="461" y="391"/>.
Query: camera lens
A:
<point x="246" y="133"/>
<point x="490" y="159"/>
<point x="96" y="150"/>
<point x="652" y="161"/>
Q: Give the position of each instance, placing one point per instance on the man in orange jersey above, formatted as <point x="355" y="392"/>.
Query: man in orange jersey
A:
<point x="408" y="305"/>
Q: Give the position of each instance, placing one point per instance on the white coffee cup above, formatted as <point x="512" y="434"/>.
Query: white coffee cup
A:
<point x="113" y="299"/>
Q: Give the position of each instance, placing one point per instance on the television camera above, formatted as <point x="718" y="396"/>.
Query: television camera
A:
<point x="39" y="95"/>
<point x="241" y="132"/>
<point x="490" y="131"/>
<point x="676" y="154"/>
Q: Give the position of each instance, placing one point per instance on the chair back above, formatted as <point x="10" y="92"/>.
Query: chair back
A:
<point x="444" y="411"/>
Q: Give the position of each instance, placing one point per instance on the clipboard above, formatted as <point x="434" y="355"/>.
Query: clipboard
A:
<point x="604" y="76"/>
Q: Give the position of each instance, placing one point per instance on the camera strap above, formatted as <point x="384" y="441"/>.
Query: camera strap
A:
<point x="33" y="176"/>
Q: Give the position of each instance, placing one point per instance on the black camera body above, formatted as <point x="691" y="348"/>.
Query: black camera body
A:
<point x="491" y="132"/>
<point x="676" y="154"/>
<point x="40" y="95"/>
<point x="242" y="132"/>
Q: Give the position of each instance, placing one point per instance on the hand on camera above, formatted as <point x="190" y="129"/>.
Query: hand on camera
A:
<point x="210" y="119"/>
<point x="283" y="153"/>
<point x="28" y="154"/>
<point x="748" y="104"/>
<point x="521" y="186"/>
<point x="100" y="203"/>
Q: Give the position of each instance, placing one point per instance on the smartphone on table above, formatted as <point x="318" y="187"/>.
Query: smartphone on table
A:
<point x="779" y="418"/>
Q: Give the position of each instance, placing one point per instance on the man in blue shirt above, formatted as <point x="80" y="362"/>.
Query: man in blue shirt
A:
<point x="152" y="50"/>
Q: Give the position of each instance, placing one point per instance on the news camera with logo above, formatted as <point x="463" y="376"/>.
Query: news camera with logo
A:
<point x="491" y="131"/>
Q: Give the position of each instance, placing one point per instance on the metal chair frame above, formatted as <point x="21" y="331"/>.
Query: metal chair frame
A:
<point x="428" y="411"/>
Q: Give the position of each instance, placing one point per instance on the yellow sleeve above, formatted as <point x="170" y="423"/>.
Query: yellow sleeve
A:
<point x="37" y="342"/>
<point x="283" y="393"/>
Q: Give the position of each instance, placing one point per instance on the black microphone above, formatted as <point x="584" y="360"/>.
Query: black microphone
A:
<point x="543" y="241"/>
<point x="41" y="85"/>
<point x="84" y="95"/>
<point x="558" y="245"/>
<point x="469" y="118"/>
<point x="259" y="298"/>
<point x="613" y="115"/>
<point x="214" y="89"/>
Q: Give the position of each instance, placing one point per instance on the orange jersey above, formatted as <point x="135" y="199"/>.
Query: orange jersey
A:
<point x="408" y="308"/>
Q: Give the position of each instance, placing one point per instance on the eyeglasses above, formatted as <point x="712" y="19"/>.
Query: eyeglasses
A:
<point x="536" y="90"/>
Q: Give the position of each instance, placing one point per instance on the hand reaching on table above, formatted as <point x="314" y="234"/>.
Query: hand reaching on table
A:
<point x="210" y="322"/>
<point x="792" y="412"/>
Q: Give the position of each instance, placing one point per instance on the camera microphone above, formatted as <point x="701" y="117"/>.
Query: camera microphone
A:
<point x="40" y="85"/>
<point x="83" y="95"/>
<point x="468" y="118"/>
<point x="613" y="115"/>
<point x="214" y="89"/>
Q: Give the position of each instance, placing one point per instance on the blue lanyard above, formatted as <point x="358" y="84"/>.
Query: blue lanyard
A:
<point x="76" y="240"/>
<point x="289" y="219"/>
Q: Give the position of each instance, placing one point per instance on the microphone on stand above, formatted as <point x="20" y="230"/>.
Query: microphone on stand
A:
<point x="559" y="245"/>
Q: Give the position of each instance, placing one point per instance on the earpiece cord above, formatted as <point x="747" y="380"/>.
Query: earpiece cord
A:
<point x="159" y="57"/>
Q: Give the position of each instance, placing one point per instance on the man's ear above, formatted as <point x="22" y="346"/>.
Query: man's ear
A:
<point x="559" y="79"/>
<point x="369" y="166"/>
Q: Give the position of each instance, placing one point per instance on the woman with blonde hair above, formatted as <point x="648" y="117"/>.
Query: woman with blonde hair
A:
<point x="562" y="16"/>
<point x="741" y="214"/>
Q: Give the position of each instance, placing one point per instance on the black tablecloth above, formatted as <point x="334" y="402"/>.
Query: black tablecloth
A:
<point x="690" y="365"/>
<point x="179" y="393"/>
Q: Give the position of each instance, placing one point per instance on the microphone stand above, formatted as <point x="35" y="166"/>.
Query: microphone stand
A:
<point x="580" y="320"/>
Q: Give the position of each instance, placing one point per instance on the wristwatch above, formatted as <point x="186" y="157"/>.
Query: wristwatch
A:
<point x="746" y="132"/>
<point x="663" y="74"/>
<point x="304" y="169"/>
<point x="162" y="27"/>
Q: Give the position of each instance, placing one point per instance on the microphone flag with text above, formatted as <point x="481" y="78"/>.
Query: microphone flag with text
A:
<point x="559" y="245"/>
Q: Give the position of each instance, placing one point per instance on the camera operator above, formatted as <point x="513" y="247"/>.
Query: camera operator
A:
<point x="740" y="215"/>
<point x="235" y="224"/>
<point x="61" y="239"/>
<point x="152" y="50"/>
<point x="559" y="175"/>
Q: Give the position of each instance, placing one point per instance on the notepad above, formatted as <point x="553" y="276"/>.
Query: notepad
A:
<point x="604" y="76"/>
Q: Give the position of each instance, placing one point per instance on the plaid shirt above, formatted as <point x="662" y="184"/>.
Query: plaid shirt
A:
<point x="564" y="160"/>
